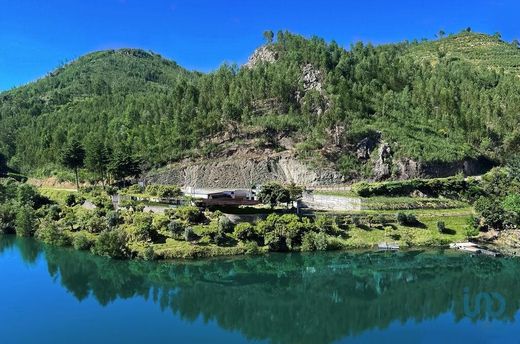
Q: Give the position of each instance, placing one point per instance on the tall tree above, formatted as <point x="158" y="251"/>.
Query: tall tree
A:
<point x="123" y="164"/>
<point x="73" y="157"/>
<point x="97" y="158"/>
<point x="269" y="35"/>
<point x="3" y="165"/>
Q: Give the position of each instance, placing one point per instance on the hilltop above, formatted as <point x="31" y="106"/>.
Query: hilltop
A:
<point x="301" y="110"/>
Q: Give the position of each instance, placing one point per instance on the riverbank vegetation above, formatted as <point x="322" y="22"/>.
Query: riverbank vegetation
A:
<point x="64" y="219"/>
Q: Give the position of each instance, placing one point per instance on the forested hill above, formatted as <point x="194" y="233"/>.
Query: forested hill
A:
<point x="367" y="111"/>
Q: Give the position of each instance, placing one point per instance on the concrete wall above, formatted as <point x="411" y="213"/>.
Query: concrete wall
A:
<point x="332" y="203"/>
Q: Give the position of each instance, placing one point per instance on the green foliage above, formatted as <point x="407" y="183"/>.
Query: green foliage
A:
<point x="3" y="165"/>
<point x="189" y="234"/>
<point x="189" y="214"/>
<point x="7" y="218"/>
<point x="274" y="194"/>
<point x="25" y="222"/>
<point x="164" y="191"/>
<point x="141" y="228"/>
<point x="51" y="233"/>
<point x="112" y="243"/>
<point x="73" y="157"/>
<point x="70" y="200"/>
<point x="95" y="223"/>
<point x="176" y="228"/>
<point x="491" y="211"/>
<point x="452" y="187"/>
<point x="512" y="203"/>
<point x="313" y="241"/>
<point x="245" y="232"/>
<point x="441" y="226"/>
<point x="82" y="242"/>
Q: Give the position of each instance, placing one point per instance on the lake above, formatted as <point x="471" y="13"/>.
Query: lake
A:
<point x="56" y="295"/>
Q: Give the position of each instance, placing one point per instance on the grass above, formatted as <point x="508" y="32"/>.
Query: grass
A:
<point x="426" y="235"/>
<point x="56" y="194"/>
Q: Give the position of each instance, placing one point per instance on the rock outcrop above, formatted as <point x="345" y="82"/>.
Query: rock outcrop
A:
<point x="382" y="167"/>
<point x="410" y="169"/>
<point x="264" y="54"/>
<point x="243" y="172"/>
<point x="312" y="78"/>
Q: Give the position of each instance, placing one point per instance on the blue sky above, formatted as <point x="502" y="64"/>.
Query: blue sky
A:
<point x="38" y="35"/>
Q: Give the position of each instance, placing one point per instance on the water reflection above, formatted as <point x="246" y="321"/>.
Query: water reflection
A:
<point x="294" y="298"/>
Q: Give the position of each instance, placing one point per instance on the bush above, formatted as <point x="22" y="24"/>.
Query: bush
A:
<point x="113" y="219"/>
<point x="356" y="220"/>
<point x="313" y="241"/>
<point x="50" y="233"/>
<point x="7" y="218"/>
<point x="112" y="243"/>
<point x="451" y="187"/>
<point x="189" y="214"/>
<point x="176" y="228"/>
<point x="401" y="218"/>
<point x="406" y="219"/>
<point x="70" y="200"/>
<point x="245" y="232"/>
<point x="327" y="225"/>
<point x="96" y="224"/>
<point x="25" y="221"/>
<point x="149" y="253"/>
<point x="82" y="242"/>
<point x="441" y="226"/>
<point x="189" y="234"/>
<point x="141" y="229"/>
<point x="225" y="225"/>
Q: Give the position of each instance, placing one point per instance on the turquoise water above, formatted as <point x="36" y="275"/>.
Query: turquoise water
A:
<point x="53" y="295"/>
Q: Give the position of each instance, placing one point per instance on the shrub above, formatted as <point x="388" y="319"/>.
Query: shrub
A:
<point x="406" y="219"/>
<point x="251" y="247"/>
<point x="70" y="200"/>
<point x="135" y="189"/>
<point x="112" y="243"/>
<point x="356" y="220"/>
<point x="149" y="253"/>
<point x="411" y="219"/>
<point x="401" y="218"/>
<point x="327" y="224"/>
<point x="189" y="214"/>
<point x="225" y="225"/>
<point x="176" y="228"/>
<point x="96" y="224"/>
<point x="313" y="241"/>
<point x="7" y="218"/>
<point x="245" y="232"/>
<point x="141" y="229"/>
<point x="441" y="226"/>
<point x="82" y="242"/>
<point x="189" y="234"/>
<point x="50" y="233"/>
<point x="25" y="221"/>
<point x="113" y="219"/>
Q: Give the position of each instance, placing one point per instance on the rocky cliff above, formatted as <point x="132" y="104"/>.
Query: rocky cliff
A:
<point x="241" y="171"/>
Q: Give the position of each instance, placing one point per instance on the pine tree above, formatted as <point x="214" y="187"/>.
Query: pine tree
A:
<point x="73" y="157"/>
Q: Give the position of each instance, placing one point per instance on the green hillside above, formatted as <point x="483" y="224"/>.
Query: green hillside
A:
<point x="430" y="102"/>
<point x="476" y="48"/>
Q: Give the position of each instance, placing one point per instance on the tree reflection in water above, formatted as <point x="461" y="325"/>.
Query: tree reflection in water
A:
<point x="303" y="298"/>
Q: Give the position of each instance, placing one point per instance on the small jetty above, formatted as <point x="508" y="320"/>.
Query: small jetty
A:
<point x="384" y="246"/>
<point x="473" y="248"/>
